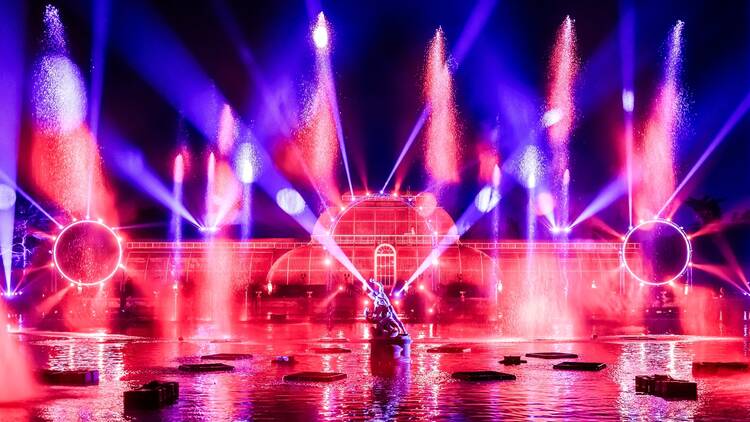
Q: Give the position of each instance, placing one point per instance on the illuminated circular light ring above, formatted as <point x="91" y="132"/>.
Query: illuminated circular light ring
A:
<point x="79" y="282"/>
<point x="685" y="238"/>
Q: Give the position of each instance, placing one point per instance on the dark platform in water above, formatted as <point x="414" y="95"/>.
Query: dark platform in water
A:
<point x="666" y="387"/>
<point x="512" y="360"/>
<point x="205" y="367"/>
<point x="719" y="367"/>
<point x="552" y="355"/>
<point x="154" y="395"/>
<point x="277" y="317"/>
<point x="327" y="350"/>
<point x="448" y="348"/>
<point x="638" y="338"/>
<point x="580" y="366"/>
<point x="227" y="356"/>
<point x="482" y="376"/>
<point x="76" y="377"/>
<point x="311" y="376"/>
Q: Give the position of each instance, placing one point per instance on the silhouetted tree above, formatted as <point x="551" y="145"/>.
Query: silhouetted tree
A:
<point x="707" y="209"/>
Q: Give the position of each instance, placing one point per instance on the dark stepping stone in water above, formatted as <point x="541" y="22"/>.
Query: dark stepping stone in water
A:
<point x="277" y="317"/>
<point x="227" y="356"/>
<point x="449" y="349"/>
<point x="644" y="384"/>
<point x="719" y="367"/>
<point x="580" y="366"/>
<point x="332" y="340"/>
<point x="482" y="376"/>
<point x="676" y="389"/>
<point x="284" y="360"/>
<point x="666" y="387"/>
<point x="205" y="367"/>
<point x="512" y="360"/>
<point x="327" y="350"/>
<point x="77" y="377"/>
<point x="153" y="395"/>
<point x="315" y="376"/>
<point x="552" y="355"/>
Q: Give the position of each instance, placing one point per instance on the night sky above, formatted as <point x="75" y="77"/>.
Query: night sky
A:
<point x="378" y="54"/>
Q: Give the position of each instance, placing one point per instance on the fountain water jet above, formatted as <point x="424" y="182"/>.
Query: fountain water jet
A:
<point x="175" y="230"/>
<point x="442" y="152"/>
<point x="560" y="102"/>
<point x="657" y="155"/>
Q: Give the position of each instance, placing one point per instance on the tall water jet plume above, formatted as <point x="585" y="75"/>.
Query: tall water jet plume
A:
<point x="656" y="158"/>
<point x="560" y="112"/>
<point x="442" y="152"/>
<point x="318" y="136"/>
<point x="66" y="157"/>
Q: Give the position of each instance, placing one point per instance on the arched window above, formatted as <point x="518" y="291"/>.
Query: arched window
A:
<point x="385" y="264"/>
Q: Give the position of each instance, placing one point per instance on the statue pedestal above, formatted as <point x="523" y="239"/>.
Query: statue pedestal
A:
<point x="391" y="347"/>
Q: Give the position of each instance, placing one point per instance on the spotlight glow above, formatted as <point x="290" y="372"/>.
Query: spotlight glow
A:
<point x="487" y="199"/>
<point x="7" y="197"/>
<point x="545" y="203"/>
<point x="320" y="32"/>
<point x="551" y="117"/>
<point x="628" y="100"/>
<point x="290" y="201"/>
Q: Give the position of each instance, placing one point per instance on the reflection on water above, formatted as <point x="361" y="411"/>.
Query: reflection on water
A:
<point x="384" y="388"/>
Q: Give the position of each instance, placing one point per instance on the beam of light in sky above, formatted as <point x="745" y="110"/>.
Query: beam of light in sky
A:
<point x="469" y="217"/>
<point x="159" y="57"/>
<point x="409" y="141"/>
<point x="479" y="15"/>
<point x="6" y="179"/>
<point x="12" y="18"/>
<point x="604" y="199"/>
<point x="130" y="164"/>
<point x="100" y="26"/>
<point x="627" y="56"/>
<point x="736" y="116"/>
<point x="321" y="38"/>
<point x="273" y="106"/>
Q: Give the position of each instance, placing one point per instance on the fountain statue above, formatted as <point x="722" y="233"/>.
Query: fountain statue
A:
<point x="387" y="330"/>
